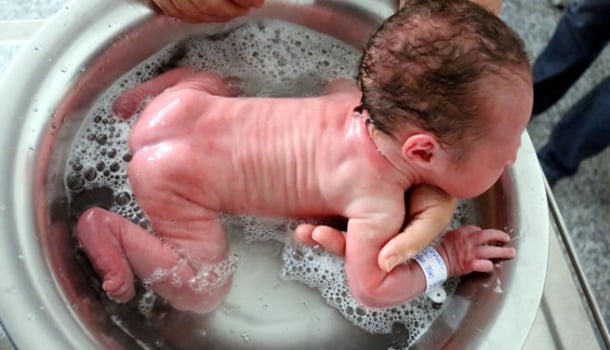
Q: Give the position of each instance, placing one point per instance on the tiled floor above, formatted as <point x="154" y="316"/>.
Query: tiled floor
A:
<point x="583" y="199"/>
<point x="29" y="9"/>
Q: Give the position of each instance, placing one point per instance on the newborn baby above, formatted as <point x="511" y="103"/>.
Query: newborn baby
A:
<point x="445" y="96"/>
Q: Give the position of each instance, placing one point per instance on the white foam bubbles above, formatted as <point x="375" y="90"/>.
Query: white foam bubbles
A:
<point x="321" y="270"/>
<point x="147" y="302"/>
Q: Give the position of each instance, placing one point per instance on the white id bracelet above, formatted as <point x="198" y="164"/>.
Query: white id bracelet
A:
<point x="435" y="271"/>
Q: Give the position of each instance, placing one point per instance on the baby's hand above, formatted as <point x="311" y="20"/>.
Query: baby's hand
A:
<point x="471" y="249"/>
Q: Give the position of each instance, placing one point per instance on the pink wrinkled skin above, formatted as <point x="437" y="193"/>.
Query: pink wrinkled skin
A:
<point x="199" y="151"/>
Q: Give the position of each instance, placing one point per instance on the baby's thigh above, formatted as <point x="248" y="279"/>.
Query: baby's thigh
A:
<point x="173" y="190"/>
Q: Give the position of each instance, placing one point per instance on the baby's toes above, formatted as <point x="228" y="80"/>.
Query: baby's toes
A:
<point x="119" y="289"/>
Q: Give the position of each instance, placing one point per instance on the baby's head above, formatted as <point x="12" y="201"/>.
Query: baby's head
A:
<point x="456" y="76"/>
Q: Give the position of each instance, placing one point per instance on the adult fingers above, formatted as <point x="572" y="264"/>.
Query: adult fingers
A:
<point x="401" y="248"/>
<point x="198" y="11"/>
<point x="167" y="7"/>
<point x="491" y="236"/>
<point x="221" y="10"/>
<point x="249" y="3"/>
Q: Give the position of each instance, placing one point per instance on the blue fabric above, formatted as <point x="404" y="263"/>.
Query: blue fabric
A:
<point x="581" y="34"/>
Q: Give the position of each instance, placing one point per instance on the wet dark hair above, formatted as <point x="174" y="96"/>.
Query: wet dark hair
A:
<point x="423" y="67"/>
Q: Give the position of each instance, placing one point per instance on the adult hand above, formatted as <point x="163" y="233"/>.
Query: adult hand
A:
<point x="197" y="11"/>
<point x="492" y="5"/>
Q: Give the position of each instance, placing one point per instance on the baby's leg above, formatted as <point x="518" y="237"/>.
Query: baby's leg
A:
<point x="118" y="249"/>
<point x="127" y="103"/>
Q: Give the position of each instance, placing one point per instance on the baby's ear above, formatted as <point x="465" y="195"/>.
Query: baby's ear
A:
<point x="421" y="149"/>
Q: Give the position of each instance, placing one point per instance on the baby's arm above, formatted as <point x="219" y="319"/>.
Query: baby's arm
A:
<point x="464" y="250"/>
<point x="429" y="212"/>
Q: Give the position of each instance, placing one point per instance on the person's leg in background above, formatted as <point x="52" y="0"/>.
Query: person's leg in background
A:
<point x="583" y="132"/>
<point x="580" y="35"/>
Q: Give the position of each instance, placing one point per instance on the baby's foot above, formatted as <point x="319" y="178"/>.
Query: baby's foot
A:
<point x="94" y="231"/>
<point x="118" y="288"/>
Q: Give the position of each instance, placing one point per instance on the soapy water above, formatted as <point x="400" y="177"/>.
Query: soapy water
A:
<point x="270" y="59"/>
<point x="324" y="271"/>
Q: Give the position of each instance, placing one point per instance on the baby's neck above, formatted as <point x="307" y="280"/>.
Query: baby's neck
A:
<point x="389" y="149"/>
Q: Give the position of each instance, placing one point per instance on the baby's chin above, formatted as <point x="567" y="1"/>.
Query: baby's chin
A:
<point x="467" y="191"/>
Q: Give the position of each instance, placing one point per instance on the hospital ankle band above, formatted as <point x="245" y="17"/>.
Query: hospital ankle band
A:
<point x="435" y="271"/>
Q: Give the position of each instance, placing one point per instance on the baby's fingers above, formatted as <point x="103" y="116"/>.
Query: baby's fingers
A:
<point x="481" y="265"/>
<point x="491" y="236"/>
<point x="493" y="252"/>
<point x="485" y="253"/>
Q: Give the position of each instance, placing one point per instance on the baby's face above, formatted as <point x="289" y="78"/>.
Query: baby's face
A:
<point x="507" y="106"/>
